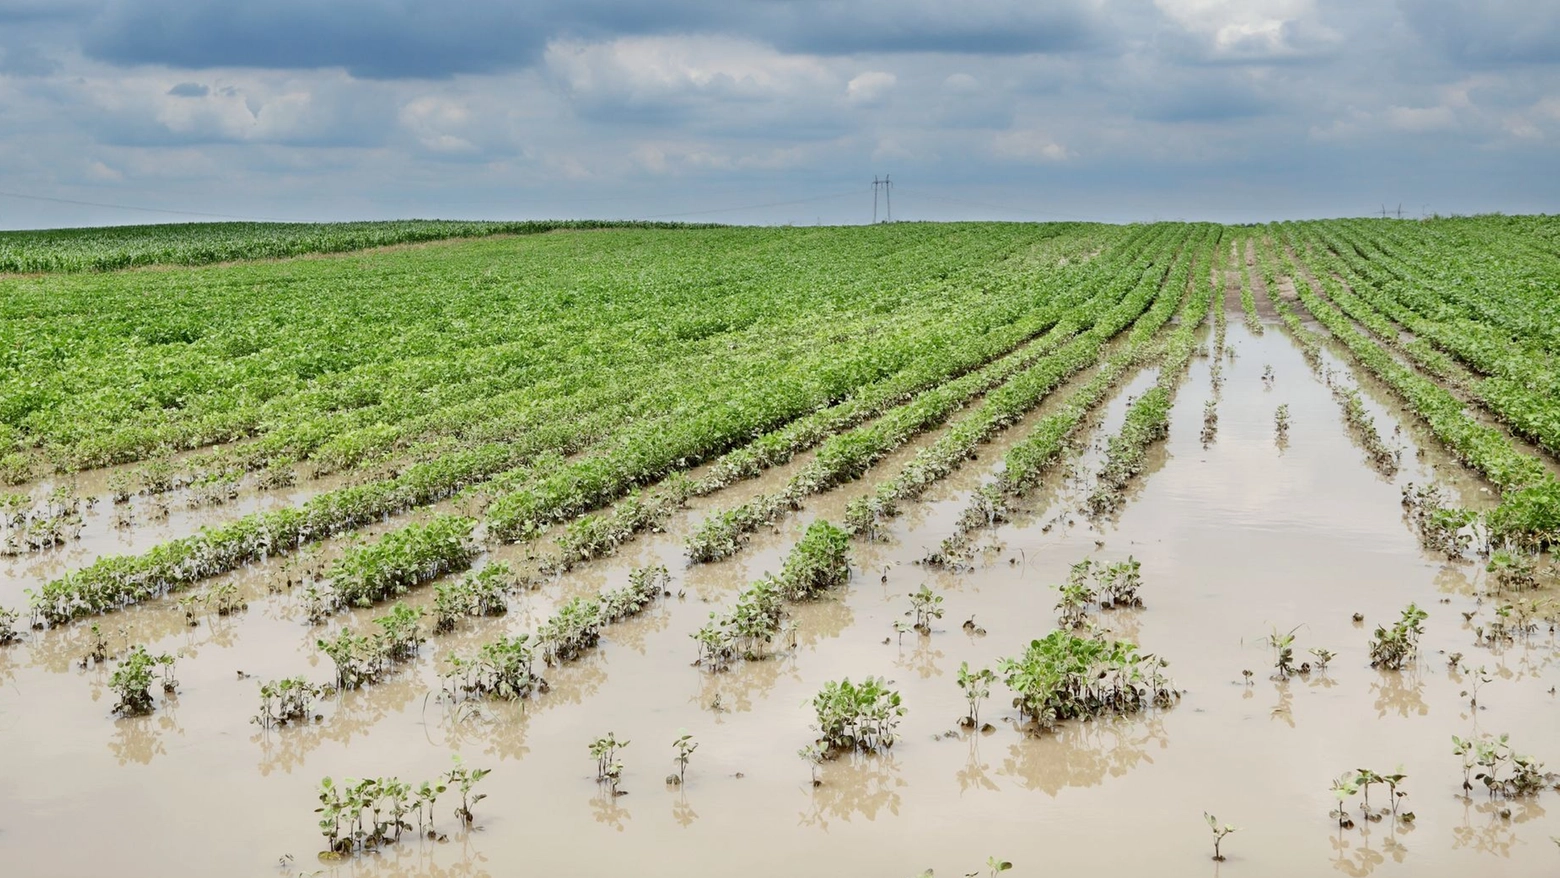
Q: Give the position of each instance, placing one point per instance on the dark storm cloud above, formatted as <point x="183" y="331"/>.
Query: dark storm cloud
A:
<point x="399" y="38"/>
<point x="189" y="90"/>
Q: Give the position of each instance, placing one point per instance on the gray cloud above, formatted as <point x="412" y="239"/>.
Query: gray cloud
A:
<point x="1120" y="109"/>
<point x="393" y="38"/>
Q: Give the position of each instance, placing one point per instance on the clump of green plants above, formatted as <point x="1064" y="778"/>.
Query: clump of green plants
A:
<point x="1440" y="526"/>
<point x="365" y="658"/>
<point x="1396" y="647"/>
<point x="609" y="770"/>
<point x="1064" y="676"/>
<point x="925" y="606"/>
<point x="682" y="749"/>
<point x="1219" y="832"/>
<point x="1281" y="422"/>
<point x="573" y="629"/>
<point x="363" y="815"/>
<point x="813" y="755"/>
<point x="857" y="716"/>
<point x="501" y="669"/>
<point x="645" y="586"/>
<point x="1093" y="585"/>
<point x="1210" y="425"/>
<point x="1505" y="773"/>
<point x="976" y="686"/>
<point x="820" y="560"/>
<point x="398" y="562"/>
<point x="476" y="594"/>
<point x="1512" y="569"/>
<point x="288" y="700"/>
<point x="8" y="632"/>
<point x="132" y="680"/>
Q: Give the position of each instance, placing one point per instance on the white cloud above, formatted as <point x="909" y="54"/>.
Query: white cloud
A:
<point x="870" y="88"/>
<point x="1421" y="119"/>
<point x="1028" y="146"/>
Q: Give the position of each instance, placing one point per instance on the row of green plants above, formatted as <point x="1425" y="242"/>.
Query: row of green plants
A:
<point x="222" y="363"/>
<point x="847" y="456"/>
<point x="505" y="668"/>
<point x="390" y="567"/>
<point x="1148" y="417"/>
<point x="1530" y="509"/>
<point x="819" y="561"/>
<point x="359" y="816"/>
<point x="1002" y="408"/>
<point x="1029" y="458"/>
<point x="1521" y="388"/>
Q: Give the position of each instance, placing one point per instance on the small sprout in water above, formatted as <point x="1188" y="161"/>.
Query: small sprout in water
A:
<point x="608" y="769"/>
<point x="1323" y="656"/>
<point x="1281" y="421"/>
<point x="926" y="605"/>
<point x="971" y="627"/>
<point x="1219" y="832"/>
<point x="1247" y="674"/>
<point x="1283" y="652"/>
<point x="684" y="747"/>
<point x="812" y="754"/>
<point x="977" y="688"/>
<point x="994" y="867"/>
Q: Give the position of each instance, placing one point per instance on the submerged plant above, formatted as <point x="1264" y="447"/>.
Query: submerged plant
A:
<point x="927" y="606"/>
<point x="1281" y="421"/>
<point x="1396" y="647"/>
<point x="1283" y="646"/>
<point x="604" y="750"/>
<point x="976" y="686"/>
<point x="287" y="700"/>
<point x="857" y="716"/>
<point x="132" y="680"/>
<point x="8" y="633"/>
<point x="1219" y="832"/>
<point x="464" y="779"/>
<point x="1504" y="772"/>
<point x="1064" y="676"/>
<point x="683" y="748"/>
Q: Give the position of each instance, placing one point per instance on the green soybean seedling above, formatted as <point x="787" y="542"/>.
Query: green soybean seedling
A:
<point x="608" y="769"/>
<point x="1219" y="832"/>
<point x="927" y="606"/>
<point x="462" y="778"/>
<point x="813" y="755"/>
<point x="977" y="688"/>
<point x="684" y="747"/>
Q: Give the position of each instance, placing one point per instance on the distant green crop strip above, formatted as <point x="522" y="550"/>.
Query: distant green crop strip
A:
<point x="117" y="247"/>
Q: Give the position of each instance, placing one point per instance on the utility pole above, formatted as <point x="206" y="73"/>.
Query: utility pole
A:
<point x="1383" y="210"/>
<point x="1400" y="210"/>
<point x="888" y="199"/>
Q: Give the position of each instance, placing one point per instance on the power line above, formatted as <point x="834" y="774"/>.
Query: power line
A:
<point x="755" y="206"/>
<point x="248" y="219"/>
<point x="1006" y="207"/>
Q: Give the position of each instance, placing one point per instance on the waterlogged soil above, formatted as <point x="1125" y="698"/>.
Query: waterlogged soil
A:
<point x="1236" y="539"/>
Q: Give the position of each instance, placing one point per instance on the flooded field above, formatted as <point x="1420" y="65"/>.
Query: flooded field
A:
<point x="1319" y="613"/>
<point x="1238" y="539"/>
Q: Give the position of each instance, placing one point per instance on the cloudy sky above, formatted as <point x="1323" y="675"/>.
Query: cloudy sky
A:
<point x="775" y="111"/>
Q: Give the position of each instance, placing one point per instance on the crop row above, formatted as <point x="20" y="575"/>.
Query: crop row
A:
<point x="114" y="582"/>
<point x="1530" y="508"/>
<point x="1005" y="406"/>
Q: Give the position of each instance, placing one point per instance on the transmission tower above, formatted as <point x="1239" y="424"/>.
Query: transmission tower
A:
<point x="887" y="188"/>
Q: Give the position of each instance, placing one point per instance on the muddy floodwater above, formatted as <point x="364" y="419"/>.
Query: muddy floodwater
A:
<point x="1237" y="539"/>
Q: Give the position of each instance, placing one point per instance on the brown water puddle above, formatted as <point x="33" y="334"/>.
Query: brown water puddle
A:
<point x="1235" y="540"/>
